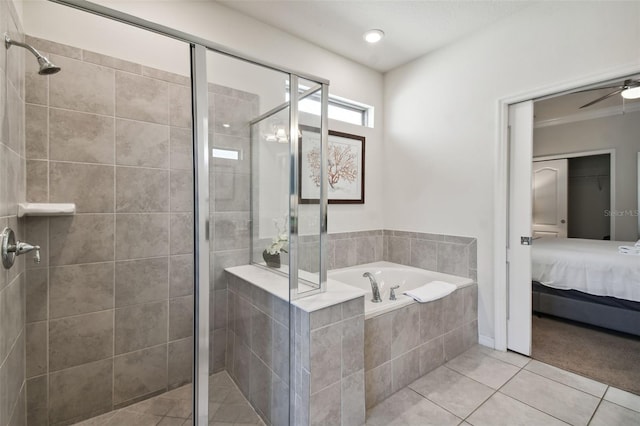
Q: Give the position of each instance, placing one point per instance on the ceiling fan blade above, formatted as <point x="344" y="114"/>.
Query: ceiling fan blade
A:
<point x="617" y="86"/>
<point x="615" y="92"/>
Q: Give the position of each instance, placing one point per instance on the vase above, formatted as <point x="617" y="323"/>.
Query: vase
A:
<point x="272" y="260"/>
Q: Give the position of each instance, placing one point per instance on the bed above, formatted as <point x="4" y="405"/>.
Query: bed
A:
<point x="587" y="281"/>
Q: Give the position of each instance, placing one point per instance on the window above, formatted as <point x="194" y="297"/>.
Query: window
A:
<point x="338" y="108"/>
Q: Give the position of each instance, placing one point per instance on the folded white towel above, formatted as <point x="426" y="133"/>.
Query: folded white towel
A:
<point x="637" y="244"/>
<point x="431" y="291"/>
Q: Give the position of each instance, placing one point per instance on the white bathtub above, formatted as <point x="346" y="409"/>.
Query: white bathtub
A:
<point x="388" y="275"/>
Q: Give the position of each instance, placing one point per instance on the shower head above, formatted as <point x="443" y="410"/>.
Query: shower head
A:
<point x="46" y="67"/>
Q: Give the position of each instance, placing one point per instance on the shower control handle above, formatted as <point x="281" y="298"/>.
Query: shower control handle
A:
<point x="10" y="248"/>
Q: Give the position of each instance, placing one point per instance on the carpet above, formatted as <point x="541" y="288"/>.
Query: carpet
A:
<point x="608" y="357"/>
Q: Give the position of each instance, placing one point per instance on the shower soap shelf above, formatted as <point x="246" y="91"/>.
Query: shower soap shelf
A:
<point x="46" y="209"/>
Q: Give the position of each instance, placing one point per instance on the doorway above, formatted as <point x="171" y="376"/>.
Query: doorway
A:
<point x="572" y="168"/>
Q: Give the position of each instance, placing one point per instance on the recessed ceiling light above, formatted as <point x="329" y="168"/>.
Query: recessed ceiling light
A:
<point x="226" y="125"/>
<point x="373" y="36"/>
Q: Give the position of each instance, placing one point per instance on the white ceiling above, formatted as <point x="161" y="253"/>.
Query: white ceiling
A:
<point x="413" y="28"/>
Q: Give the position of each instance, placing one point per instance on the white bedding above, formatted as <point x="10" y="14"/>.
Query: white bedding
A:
<point x="589" y="266"/>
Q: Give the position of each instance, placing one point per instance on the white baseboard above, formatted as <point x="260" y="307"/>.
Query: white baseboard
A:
<point x="486" y="341"/>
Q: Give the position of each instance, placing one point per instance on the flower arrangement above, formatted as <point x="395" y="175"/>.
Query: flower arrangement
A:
<point x="279" y="242"/>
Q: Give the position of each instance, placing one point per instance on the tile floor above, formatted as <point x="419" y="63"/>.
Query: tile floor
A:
<point x="486" y="387"/>
<point x="479" y="387"/>
<point x="227" y="407"/>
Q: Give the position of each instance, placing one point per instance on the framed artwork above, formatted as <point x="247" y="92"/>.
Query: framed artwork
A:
<point x="345" y="169"/>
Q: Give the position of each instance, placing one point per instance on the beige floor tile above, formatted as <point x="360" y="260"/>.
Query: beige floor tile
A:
<point x="452" y="391"/>
<point x="97" y="421"/>
<point x="567" y="378"/>
<point x="558" y="400"/>
<point x="157" y="406"/>
<point x="171" y="421"/>
<point x="609" y="414"/>
<point x="126" y="418"/>
<point x="182" y="408"/>
<point x="506" y="356"/>
<point x="406" y="407"/>
<point x="483" y="368"/>
<point x="623" y="398"/>
<point x="184" y="393"/>
<point x="501" y="410"/>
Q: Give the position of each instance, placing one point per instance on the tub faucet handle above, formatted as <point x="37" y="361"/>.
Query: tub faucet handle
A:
<point x="392" y="295"/>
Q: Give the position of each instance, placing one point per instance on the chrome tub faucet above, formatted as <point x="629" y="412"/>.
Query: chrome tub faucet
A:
<point x="375" y="289"/>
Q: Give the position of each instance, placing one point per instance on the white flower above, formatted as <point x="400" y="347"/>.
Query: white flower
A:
<point x="280" y="240"/>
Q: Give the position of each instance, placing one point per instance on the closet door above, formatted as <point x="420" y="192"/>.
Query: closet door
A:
<point x="549" y="192"/>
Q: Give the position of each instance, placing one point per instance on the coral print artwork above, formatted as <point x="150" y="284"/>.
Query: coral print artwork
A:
<point x="345" y="167"/>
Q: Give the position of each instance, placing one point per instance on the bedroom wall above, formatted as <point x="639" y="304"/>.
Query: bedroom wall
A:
<point x="441" y="115"/>
<point x="619" y="132"/>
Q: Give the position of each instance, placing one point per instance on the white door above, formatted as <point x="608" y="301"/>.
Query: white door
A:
<point x="519" y="254"/>
<point x="550" y="191"/>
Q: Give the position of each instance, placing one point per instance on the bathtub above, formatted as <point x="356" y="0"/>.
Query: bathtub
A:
<point x="388" y="275"/>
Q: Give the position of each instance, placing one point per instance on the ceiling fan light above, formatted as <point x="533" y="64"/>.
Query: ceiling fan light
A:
<point x="631" y="92"/>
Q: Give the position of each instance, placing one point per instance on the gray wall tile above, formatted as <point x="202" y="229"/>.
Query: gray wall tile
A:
<point x="80" y="339"/>
<point x="353" y="400"/>
<point x="81" y="239"/>
<point x="78" y="136"/>
<point x="181" y="149"/>
<point x="181" y="278"/>
<point x="181" y="233"/>
<point x="36" y="132"/>
<point x="141" y="190"/>
<point x="141" y="281"/>
<point x="89" y="186"/>
<point x="432" y="355"/>
<point x="37" y="181"/>
<point x="352" y="345"/>
<point x="453" y="259"/>
<point x="377" y="341"/>
<point x="261" y="337"/>
<point x="140" y="326"/>
<point x="79" y="289"/>
<point x="405" y="331"/>
<point x="109" y="61"/>
<point x="37" y="401"/>
<point x="231" y="231"/>
<point x="406" y="369"/>
<point x="179" y="105"/>
<point x="90" y="383"/>
<point x="325" y="408"/>
<point x="181" y="190"/>
<point x="377" y="384"/>
<point x="141" y="98"/>
<point x="139" y="373"/>
<point x="424" y="254"/>
<point x="82" y="87"/>
<point x="180" y="317"/>
<point x="181" y="361"/>
<point x="36" y="348"/>
<point x="141" y="235"/>
<point x="37" y="294"/>
<point x="431" y="320"/>
<point x="326" y="356"/>
<point x="142" y="144"/>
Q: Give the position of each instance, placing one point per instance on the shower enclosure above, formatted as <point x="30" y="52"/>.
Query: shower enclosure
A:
<point x="177" y="174"/>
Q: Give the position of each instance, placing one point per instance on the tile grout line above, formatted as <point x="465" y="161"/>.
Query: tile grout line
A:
<point x="597" y="407"/>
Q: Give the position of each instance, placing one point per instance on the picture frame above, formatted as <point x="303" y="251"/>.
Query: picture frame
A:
<point x="345" y="180"/>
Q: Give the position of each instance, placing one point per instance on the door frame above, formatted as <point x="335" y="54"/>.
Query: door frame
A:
<point x="612" y="178"/>
<point x="501" y="184"/>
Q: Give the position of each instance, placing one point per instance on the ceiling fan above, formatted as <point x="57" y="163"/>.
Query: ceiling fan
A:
<point x="630" y="89"/>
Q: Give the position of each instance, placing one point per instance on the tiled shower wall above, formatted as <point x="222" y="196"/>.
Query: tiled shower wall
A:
<point x="109" y="309"/>
<point x="12" y="178"/>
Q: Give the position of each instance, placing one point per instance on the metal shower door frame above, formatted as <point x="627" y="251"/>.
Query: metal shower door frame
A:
<point x="199" y="87"/>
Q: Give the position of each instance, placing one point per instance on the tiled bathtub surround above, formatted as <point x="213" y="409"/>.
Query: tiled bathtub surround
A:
<point x="436" y="252"/>
<point x="109" y="309"/>
<point x="12" y="178"/>
<point x="402" y="345"/>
